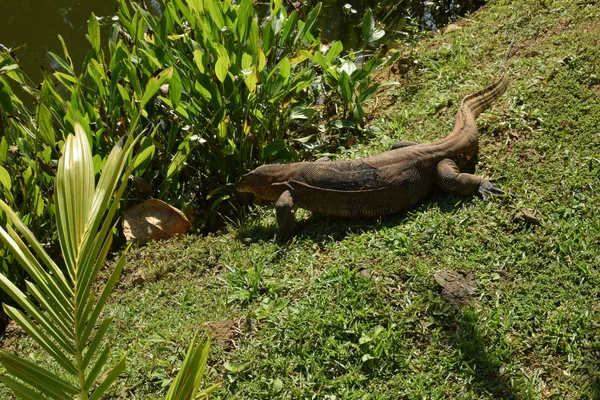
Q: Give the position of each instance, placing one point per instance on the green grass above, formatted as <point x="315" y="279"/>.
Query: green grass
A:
<point x="350" y="309"/>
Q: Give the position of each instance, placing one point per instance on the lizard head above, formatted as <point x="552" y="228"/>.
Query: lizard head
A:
<point x="260" y="182"/>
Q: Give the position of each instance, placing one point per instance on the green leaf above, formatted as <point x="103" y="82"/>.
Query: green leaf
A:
<point x="109" y="380"/>
<point x="311" y="18"/>
<point x="8" y="68"/>
<point x="45" y="125"/>
<point x="175" y="89"/>
<point x="5" y="178"/>
<point x="154" y="83"/>
<point x="367" y="93"/>
<point x="273" y="148"/>
<point x="21" y="390"/>
<point x="344" y="87"/>
<point x="214" y="9"/>
<point x="302" y="113"/>
<point x="284" y="68"/>
<point x="244" y="18"/>
<point x="187" y="382"/>
<point x="335" y="50"/>
<point x="200" y="61"/>
<point x="288" y="28"/>
<point x="143" y="159"/>
<point x="3" y="150"/>
<point x="93" y="35"/>
<point x="222" y="67"/>
<point x="37" y="377"/>
<point x="344" y="123"/>
<point x="370" y="32"/>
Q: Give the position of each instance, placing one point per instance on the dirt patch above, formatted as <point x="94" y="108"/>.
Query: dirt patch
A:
<point x="224" y="332"/>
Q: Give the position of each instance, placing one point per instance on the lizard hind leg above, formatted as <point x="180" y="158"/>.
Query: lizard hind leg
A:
<point x="285" y="209"/>
<point x="449" y="178"/>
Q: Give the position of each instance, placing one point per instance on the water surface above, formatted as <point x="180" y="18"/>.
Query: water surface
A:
<point x="33" y="26"/>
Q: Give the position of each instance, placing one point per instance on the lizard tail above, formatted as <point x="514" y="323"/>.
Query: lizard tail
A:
<point x="480" y="101"/>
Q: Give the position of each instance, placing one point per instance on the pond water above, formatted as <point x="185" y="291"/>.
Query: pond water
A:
<point x="32" y="26"/>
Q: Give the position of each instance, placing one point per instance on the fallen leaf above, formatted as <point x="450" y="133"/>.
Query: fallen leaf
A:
<point x="153" y="220"/>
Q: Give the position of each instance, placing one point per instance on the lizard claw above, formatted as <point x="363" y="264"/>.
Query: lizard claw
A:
<point x="487" y="189"/>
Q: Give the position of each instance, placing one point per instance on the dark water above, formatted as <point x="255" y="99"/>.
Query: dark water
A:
<point x="32" y="26"/>
<point x="341" y="19"/>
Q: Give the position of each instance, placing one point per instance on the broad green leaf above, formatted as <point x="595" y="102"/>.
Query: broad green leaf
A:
<point x="249" y="72"/>
<point x="143" y="159"/>
<point x="5" y="178"/>
<point x="344" y="87"/>
<point x="302" y="113"/>
<point x="75" y="175"/>
<point x="277" y="21"/>
<point x="3" y="150"/>
<point x="370" y="32"/>
<point x="45" y="125"/>
<point x="200" y="60"/>
<point x="344" y="123"/>
<point x="96" y="71"/>
<point x="93" y="35"/>
<point x="289" y="27"/>
<point x="335" y="50"/>
<point x="252" y="43"/>
<point x="273" y="148"/>
<point x="358" y="112"/>
<point x="154" y="83"/>
<point x="268" y="37"/>
<point x="367" y="93"/>
<point x="348" y="67"/>
<point x="175" y="88"/>
<point x="244" y="18"/>
<point x="214" y="9"/>
<point x="284" y="68"/>
<point x="311" y="18"/>
<point x="276" y="6"/>
<point x="222" y="64"/>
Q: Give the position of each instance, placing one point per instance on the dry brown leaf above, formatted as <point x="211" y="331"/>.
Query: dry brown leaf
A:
<point x="153" y="220"/>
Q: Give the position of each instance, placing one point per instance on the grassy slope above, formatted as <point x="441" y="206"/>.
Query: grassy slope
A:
<point x="351" y="308"/>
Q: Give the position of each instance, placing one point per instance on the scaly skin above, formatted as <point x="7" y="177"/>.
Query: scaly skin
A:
<point x="381" y="184"/>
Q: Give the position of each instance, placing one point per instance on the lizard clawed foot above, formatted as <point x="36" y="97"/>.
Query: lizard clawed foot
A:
<point x="487" y="189"/>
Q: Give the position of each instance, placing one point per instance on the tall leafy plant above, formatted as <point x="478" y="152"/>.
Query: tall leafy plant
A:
<point x="236" y="87"/>
<point x="60" y="309"/>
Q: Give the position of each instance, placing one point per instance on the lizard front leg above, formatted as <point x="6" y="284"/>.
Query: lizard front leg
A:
<point x="286" y="220"/>
<point x="449" y="178"/>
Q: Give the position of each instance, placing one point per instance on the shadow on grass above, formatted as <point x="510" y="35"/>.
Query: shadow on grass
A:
<point x="322" y="228"/>
<point x="463" y="329"/>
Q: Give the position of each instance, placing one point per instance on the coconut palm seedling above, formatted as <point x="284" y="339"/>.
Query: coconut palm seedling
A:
<point x="61" y="308"/>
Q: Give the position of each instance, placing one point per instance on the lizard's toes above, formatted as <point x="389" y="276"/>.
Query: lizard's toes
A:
<point x="487" y="188"/>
